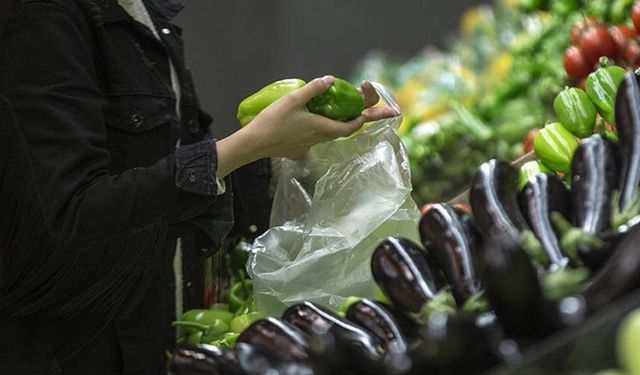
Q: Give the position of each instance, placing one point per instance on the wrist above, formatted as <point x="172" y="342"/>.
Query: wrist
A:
<point x="235" y="151"/>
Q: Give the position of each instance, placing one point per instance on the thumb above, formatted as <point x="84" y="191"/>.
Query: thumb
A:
<point x="312" y="89"/>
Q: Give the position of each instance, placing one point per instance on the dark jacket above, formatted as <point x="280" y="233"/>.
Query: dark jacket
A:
<point x="101" y="188"/>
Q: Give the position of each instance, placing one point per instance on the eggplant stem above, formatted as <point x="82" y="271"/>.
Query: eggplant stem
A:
<point x="533" y="248"/>
<point x="565" y="282"/>
<point x="618" y="216"/>
<point x="442" y="302"/>
<point x="573" y="237"/>
<point x="477" y="303"/>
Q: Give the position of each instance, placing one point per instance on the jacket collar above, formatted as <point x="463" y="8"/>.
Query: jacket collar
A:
<point x="112" y="12"/>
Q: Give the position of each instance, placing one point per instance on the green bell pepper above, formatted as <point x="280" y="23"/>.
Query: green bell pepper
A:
<point x="554" y="146"/>
<point x="530" y="169"/>
<point x="602" y="86"/>
<point x="239" y="294"/>
<point x="250" y="107"/>
<point x="212" y="331"/>
<point x="202" y="317"/>
<point x="241" y="322"/>
<point x="342" y="101"/>
<point x="575" y="111"/>
<point x="194" y="339"/>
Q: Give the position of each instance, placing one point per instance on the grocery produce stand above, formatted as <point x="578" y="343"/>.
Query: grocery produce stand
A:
<point x="535" y="268"/>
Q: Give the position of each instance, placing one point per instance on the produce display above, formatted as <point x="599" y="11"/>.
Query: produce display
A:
<point x="497" y="80"/>
<point x="538" y="248"/>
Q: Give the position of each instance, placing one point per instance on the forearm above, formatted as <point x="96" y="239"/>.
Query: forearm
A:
<point x="235" y="151"/>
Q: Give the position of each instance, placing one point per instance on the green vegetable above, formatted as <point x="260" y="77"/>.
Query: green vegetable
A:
<point x="530" y="169"/>
<point x="554" y="146"/>
<point x="619" y="10"/>
<point x="575" y="111"/>
<point x="628" y="342"/>
<point x="202" y="317"/>
<point x="254" y="104"/>
<point x="342" y="101"/>
<point x="228" y="340"/>
<point x="346" y="303"/>
<point x="602" y="86"/>
<point x="564" y="7"/>
<point x="239" y="294"/>
<point x="241" y="322"/>
<point x="208" y="332"/>
<point x="194" y="339"/>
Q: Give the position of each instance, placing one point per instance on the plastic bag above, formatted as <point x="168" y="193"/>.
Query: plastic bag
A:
<point x="330" y="211"/>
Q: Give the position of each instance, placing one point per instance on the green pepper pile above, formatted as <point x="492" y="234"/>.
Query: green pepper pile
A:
<point x="222" y="323"/>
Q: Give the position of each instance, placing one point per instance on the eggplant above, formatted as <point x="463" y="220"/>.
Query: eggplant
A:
<point x="401" y="270"/>
<point x="203" y="360"/>
<point x="594" y="171"/>
<point x="355" y="348"/>
<point x="627" y="114"/>
<point x="452" y="244"/>
<point x="493" y="199"/>
<point x="252" y="360"/>
<point x="512" y="288"/>
<point x="286" y="342"/>
<point x="542" y="195"/>
<point x="378" y="320"/>
<point x="620" y="273"/>
<point x="452" y="344"/>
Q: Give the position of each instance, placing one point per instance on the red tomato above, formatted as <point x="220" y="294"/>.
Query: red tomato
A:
<point x="635" y="15"/>
<point x="595" y="43"/>
<point x="631" y="53"/>
<point x="580" y="27"/>
<point x="621" y="34"/>
<point x="527" y="144"/>
<point x="582" y="84"/>
<point x="575" y="65"/>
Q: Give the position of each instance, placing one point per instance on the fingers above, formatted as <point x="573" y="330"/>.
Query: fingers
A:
<point x="312" y="89"/>
<point x="369" y="94"/>
<point x="379" y="113"/>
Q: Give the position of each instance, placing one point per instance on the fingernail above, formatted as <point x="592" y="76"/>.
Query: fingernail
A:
<point x="328" y="79"/>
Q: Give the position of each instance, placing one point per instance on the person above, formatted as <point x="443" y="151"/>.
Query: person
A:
<point x="109" y="170"/>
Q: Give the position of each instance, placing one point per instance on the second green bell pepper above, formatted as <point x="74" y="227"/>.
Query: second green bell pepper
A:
<point x="575" y="111"/>
<point x="554" y="146"/>
<point x="602" y="86"/>
<point x="342" y="101"/>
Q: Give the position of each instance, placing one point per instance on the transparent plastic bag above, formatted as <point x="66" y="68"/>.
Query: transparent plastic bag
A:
<point x="330" y="211"/>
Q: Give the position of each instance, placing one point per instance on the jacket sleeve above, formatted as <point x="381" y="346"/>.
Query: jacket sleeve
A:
<point x="108" y="230"/>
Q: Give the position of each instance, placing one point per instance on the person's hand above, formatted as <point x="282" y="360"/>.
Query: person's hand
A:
<point x="287" y="129"/>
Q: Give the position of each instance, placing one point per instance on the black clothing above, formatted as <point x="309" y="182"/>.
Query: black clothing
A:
<point x="101" y="188"/>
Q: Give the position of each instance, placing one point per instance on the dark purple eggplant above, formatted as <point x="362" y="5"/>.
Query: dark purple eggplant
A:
<point x="627" y="114"/>
<point x="375" y="318"/>
<point x="378" y="320"/>
<point x="253" y="360"/>
<point x="286" y="342"/>
<point x="452" y="243"/>
<point x="512" y="288"/>
<point x="619" y="275"/>
<point x="401" y="270"/>
<point x="493" y="199"/>
<point x="594" y="171"/>
<point x="452" y="344"/>
<point x="542" y="195"/>
<point x="364" y="353"/>
<point x="202" y="360"/>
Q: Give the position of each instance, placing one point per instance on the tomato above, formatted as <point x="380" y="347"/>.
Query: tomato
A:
<point x="635" y="15"/>
<point x="595" y="43"/>
<point x="582" y="83"/>
<point x="528" y="140"/>
<point x="580" y="27"/>
<point x="574" y="64"/>
<point x="631" y="53"/>
<point x="621" y="34"/>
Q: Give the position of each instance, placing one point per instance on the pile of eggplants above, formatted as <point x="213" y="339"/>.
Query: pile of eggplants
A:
<point x="483" y="284"/>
